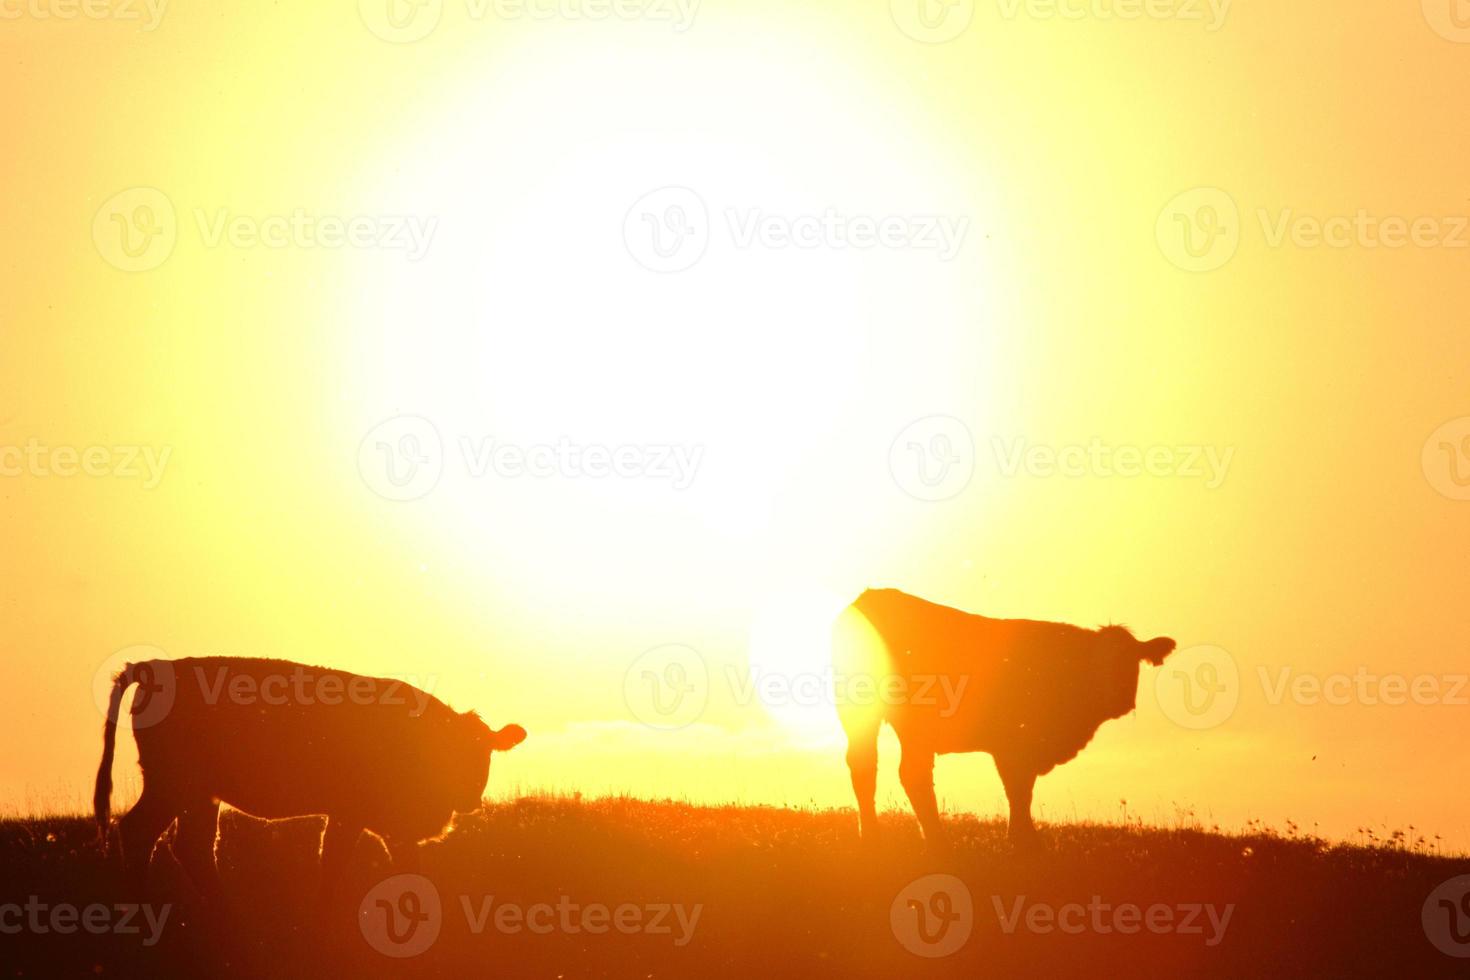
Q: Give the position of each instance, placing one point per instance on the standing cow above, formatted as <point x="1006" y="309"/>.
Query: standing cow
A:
<point x="280" y="739"/>
<point x="1032" y="694"/>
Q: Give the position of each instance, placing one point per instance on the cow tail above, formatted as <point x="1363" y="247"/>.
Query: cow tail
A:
<point x="102" y="795"/>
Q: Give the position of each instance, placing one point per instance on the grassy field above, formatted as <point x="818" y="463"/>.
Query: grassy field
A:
<point x="561" y="887"/>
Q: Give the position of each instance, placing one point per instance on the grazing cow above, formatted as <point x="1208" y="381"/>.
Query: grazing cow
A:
<point x="1032" y="694"/>
<point x="280" y="739"/>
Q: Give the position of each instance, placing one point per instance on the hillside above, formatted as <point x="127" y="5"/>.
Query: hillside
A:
<point x="743" y="892"/>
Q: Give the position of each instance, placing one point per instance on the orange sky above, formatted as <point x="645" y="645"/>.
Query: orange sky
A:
<point x="1087" y="316"/>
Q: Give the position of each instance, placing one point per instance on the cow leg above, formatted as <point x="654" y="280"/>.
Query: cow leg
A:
<point x="139" y="830"/>
<point x="193" y="846"/>
<point x="1019" y="780"/>
<point x="338" y="842"/>
<point x="916" y="772"/>
<point x="862" y="765"/>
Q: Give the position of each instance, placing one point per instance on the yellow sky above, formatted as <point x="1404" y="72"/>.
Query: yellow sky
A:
<point x="1174" y="291"/>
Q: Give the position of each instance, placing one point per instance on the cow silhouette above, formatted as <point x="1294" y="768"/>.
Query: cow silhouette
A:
<point x="281" y="739"/>
<point x="1030" y="693"/>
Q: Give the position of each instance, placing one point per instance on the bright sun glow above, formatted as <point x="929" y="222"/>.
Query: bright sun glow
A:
<point x="752" y="360"/>
<point x="791" y="659"/>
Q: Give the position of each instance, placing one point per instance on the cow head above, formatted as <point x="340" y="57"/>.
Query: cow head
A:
<point x="472" y="769"/>
<point x="1118" y="654"/>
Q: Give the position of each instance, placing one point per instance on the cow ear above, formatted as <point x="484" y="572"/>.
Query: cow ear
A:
<point x="507" y="738"/>
<point x="1154" y="651"/>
